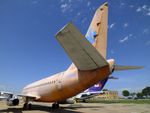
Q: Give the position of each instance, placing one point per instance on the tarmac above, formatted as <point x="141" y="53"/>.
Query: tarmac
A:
<point x="78" y="108"/>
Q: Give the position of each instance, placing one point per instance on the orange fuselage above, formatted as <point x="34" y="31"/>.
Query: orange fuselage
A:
<point x="66" y="84"/>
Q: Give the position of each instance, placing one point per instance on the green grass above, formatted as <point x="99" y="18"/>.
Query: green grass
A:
<point x="126" y="101"/>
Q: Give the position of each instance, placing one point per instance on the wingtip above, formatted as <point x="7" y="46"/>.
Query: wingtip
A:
<point x="140" y="67"/>
<point x="120" y="67"/>
<point x="59" y="32"/>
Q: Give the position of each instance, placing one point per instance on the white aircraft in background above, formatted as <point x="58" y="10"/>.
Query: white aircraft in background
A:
<point x="90" y="66"/>
<point x="93" y="91"/>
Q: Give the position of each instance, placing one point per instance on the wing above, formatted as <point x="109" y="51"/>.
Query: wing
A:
<point x="82" y="53"/>
<point x="6" y="95"/>
<point x="33" y="97"/>
<point x="2" y="98"/>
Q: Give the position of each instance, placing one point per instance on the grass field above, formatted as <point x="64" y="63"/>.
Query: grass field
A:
<point x="126" y="101"/>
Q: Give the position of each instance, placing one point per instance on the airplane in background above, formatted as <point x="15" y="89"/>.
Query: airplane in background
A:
<point x="89" y="66"/>
<point x="92" y="91"/>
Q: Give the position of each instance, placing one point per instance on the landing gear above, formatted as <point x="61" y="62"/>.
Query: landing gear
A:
<point x="55" y="105"/>
<point x="27" y="106"/>
<point x="84" y="100"/>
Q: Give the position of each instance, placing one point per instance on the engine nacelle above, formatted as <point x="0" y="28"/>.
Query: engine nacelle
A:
<point x="13" y="102"/>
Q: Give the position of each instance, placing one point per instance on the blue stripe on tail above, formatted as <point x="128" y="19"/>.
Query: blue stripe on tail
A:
<point x="90" y="36"/>
<point x="99" y="86"/>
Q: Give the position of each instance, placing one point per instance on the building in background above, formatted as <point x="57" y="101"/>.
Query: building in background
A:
<point x="108" y="95"/>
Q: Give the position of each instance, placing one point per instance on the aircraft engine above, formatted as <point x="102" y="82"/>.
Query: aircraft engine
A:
<point x="13" y="102"/>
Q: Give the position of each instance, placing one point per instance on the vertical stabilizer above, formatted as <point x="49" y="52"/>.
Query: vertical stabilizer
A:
<point x="97" y="32"/>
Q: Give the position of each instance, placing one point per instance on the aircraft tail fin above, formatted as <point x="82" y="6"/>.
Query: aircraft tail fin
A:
<point x="82" y="53"/>
<point x="97" y="32"/>
<point x="121" y="68"/>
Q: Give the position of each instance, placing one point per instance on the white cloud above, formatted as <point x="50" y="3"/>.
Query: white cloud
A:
<point x="122" y="4"/>
<point x="35" y="2"/>
<point x="138" y="9"/>
<point x="64" y="7"/>
<point x="131" y="6"/>
<point x="145" y="10"/>
<point x="79" y="13"/>
<point x="112" y="25"/>
<point x="146" y="31"/>
<point x="124" y="39"/>
<point x="88" y="3"/>
<point x="144" y="6"/>
<point x="93" y="8"/>
<point x="148" y="14"/>
<point x="130" y="35"/>
<point x="125" y="25"/>
<point x="147" y="43"/>
<point x="112" y="52"/>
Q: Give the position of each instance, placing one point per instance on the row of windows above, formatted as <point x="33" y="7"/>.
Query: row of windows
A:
<point x="50" y="82"/>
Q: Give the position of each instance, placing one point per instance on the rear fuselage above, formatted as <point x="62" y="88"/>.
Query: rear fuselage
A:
<point x="66" y="84"/>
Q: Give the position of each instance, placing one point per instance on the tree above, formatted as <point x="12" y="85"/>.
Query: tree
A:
<point x="139" y="95"/>
<point x="125" y="93"/>
<point x="105" y="89"/>
<point x="146" y="92"/>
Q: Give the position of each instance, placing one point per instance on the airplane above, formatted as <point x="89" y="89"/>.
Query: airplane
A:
<point x="89" y="66"/>
<point x="93" y="91"/>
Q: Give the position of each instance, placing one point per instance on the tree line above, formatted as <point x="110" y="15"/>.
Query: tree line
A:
<point x="144" y="94"/>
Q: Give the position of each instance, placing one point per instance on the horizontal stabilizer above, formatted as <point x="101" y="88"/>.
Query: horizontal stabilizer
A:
<point x="120" y="68"/>
<point x="112" y="77"/>
<point x="89" y="96"/>
<point x="82" y="53"/>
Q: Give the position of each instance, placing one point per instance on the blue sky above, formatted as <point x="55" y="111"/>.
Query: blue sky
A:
<point x="29" y="50"/>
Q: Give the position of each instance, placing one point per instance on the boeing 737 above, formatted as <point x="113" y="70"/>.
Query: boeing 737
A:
<point x="89" y="66"/>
